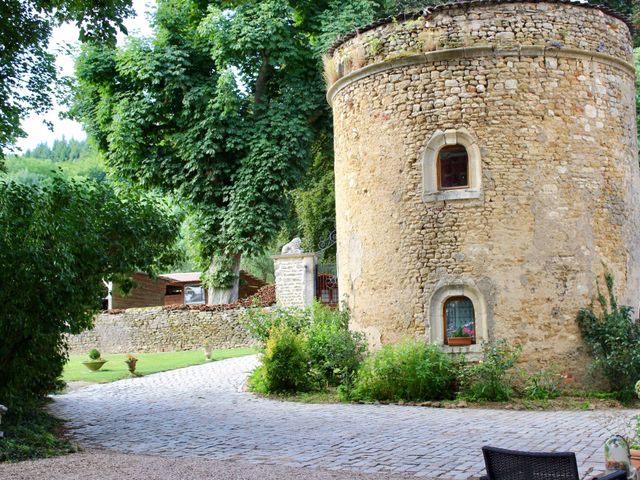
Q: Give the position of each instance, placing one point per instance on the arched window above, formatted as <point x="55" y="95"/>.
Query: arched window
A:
<point x="453" y="167"/>
<point x="459" y="318"/>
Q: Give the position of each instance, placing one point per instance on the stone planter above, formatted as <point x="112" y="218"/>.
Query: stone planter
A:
<point x="94" y="366"/>
<point x="459" y="341"/>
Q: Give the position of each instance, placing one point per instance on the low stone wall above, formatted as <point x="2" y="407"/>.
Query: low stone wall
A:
<point x="140" y="330"/>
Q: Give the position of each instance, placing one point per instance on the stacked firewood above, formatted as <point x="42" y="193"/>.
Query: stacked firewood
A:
<point x="264" y="297"/>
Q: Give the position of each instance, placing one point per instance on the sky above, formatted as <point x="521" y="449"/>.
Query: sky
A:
<point x="37" y="131"/>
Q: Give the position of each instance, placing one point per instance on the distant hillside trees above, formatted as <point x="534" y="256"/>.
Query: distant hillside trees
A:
<point x="62" y="150"/>
<point x="71" y="159"/>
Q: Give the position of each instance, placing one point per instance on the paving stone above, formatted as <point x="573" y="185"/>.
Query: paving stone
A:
<point x="202" y="411"/>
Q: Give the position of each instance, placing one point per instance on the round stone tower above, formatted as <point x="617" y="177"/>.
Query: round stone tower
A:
<point x="486" y="173"/>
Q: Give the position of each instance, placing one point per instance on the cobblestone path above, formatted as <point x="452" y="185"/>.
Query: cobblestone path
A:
<point x="202" y="411"/>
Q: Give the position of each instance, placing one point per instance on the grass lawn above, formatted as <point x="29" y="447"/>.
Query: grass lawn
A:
<point x="116" y="369"/>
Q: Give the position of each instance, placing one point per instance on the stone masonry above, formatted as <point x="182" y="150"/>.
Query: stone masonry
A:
<point x="295" y="279"/>
<point x="158" y="330"/>
<point x="543" y="95"/>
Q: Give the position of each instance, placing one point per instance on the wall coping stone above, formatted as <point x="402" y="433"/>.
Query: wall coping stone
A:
<point x="428" y="11"/>
<point x="475" y="51"/>
<point x="291" y="256"/>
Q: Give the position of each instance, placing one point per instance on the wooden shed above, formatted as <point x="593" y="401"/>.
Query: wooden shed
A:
<point x="172" y="289"/>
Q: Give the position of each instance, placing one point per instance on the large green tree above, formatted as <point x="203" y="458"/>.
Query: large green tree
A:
<point x="27" y="69"/>
<point x="58" y="242"/>
<point x="224" y="108"/>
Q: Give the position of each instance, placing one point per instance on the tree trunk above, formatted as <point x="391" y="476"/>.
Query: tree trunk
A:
<point x="220" y="296"/>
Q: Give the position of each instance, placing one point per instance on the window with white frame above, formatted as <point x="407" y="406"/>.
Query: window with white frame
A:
<point x="451" y="167"/>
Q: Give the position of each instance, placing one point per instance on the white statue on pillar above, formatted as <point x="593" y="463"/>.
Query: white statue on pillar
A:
<point x="293" y="247"/>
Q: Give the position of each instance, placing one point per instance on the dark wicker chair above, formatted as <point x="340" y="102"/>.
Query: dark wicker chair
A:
<point x="513" y="465"/>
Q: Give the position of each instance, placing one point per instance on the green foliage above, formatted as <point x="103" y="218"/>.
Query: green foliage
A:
<point x="58" y="242"/>
<point x="285" y="363"/>
<point x="94" y="354"/>
<point x="409" y="371"/>
<point x="27" y="70"/>
<point x="543" y="385"/>
<point x="335" y="352"/>
<point x="314" y="201"/>
<point x="262" y="321"/>
<point x="488" y="380"/>
<point x="220" y="275"/>
<point x="220" y="108"/>
<point x="260" y="266"/>
<point x="613" y="336"/>
<point x="32" y="433"/>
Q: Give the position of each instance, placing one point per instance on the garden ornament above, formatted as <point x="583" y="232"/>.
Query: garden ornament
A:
<point x="293" y="247"/>
<point x="617" y="456"/>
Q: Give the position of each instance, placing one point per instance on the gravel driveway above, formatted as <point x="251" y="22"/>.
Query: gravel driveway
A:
<point x="202" y="412"/>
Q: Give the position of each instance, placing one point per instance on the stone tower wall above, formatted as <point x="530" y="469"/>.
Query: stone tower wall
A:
<point x="544" y="94"/>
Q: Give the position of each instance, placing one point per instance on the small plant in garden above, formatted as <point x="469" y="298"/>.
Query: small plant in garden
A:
<point x="543" y="385"/>
<point x="94" y="354"/>
<point x="95" y="361"/>
<point x="285" y="363"/>
<point x="613" y="336"/>
<point x="489" y="380"/>
<point x="131" y="362"/>
<point x="410" y="371"/>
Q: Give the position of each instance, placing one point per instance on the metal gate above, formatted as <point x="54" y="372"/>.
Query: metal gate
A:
<point x="327" y="284"/>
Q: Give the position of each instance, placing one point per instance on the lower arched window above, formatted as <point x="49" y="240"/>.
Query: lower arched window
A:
<point x="459" y="319"/>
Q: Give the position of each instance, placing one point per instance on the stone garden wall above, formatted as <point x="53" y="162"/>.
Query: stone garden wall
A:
<point x="139" y="330"/>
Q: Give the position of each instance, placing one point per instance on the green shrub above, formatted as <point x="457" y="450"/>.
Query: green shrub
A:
<point x="94" y="354"/>
<point x="543" y="385"/>
<point x="410" y="371"/>
<point x="335" y="352"/>
<point x="285" y="363"/>
<point x="614" y="339"/>
<point x="264" y="320"/>
<point x="488" y="380"/>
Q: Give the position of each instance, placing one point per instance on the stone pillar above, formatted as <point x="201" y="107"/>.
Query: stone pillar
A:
<point x="3" y="410"/>
<point x="295" y="279"/>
